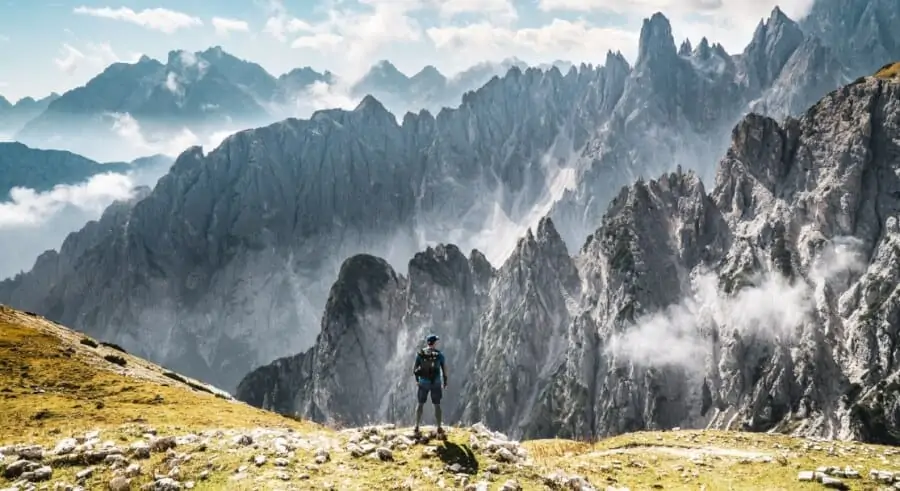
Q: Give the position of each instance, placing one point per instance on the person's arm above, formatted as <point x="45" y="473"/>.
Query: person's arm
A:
<point x="444" y="369"/>
<point x="416" y="366"/>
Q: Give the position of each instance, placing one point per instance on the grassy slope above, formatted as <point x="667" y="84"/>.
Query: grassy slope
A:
<point x="54" y="386"/>
<point x="891" y="70"/>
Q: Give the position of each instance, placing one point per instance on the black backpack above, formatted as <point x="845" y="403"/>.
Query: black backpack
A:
<point x="428" y="365"/>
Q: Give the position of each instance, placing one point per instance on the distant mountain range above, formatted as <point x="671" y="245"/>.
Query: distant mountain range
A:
<point x="14" y="116"/>
<point x="41" y="170"/>
<point x="208" y="91"/>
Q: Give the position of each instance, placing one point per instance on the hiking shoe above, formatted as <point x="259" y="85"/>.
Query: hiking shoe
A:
<point x="417" y="432"/>
<point x="440" y="433"/>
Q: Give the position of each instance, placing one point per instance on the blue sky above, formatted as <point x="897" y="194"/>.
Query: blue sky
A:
<point x="55" y="45"/>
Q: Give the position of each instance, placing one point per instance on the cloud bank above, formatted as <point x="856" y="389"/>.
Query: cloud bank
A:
<point x="772" y="307"/>
<point x="27" y="207"/>
<point x="159" y="19"/>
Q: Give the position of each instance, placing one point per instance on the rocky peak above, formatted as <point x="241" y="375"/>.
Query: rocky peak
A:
<point x="772" y="45"/>
<point x="656" y="41"/>
<point x="373" y="111"/>
<point x="702" y="51"/>
<point x="429" y="77"/>
<point x="686" y="48"/>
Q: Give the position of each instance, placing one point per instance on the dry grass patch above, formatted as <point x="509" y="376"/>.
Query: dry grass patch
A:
<point x="891" y="70"/>
<point x="52" y="384"/>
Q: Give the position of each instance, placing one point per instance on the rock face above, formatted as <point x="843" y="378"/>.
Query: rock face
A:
<point x="227" y="263"/>
<point x="862" y="33"/>
<point x="767" y="303"/>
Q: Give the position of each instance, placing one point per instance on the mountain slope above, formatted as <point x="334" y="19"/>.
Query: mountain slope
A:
<point x="82" y="413"/>
<point x="767" y="303"/>
<point x="14" y="116"/>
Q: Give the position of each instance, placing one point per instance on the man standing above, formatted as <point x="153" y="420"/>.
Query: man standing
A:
<point x="429" y="370"/>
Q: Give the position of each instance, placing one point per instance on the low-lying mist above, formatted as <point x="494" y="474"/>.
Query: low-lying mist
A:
<point x="32" y="222"/>
<point x="772" y="307"/>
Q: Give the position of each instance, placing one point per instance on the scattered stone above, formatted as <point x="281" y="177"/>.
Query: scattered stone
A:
<point x="40" y="474"/>
<point x="133" y="470"/>
<point x="115" y="460"/>
<point x="164" y="484"/>
<point x="84" y="474"/>
<point x="504" y="455"/>
<point x="384" y="454"/>
<point x="162" y="444"/>
<point x="119" y="483"/>
<point x="479" y="486"/>
<point x="881" y="476"/>
<point x="204" y="475"/>
<point x="139" y="450"/>
<point x="65" y="446"/>
<point x="259" y="460"/>
<point x="243" y="440"/>
<point x="31" y="452"/>
<point x="833" y="483"/>
<point x="323" y="455"/>
<point x="511" y="485"/>
<point x="805" y="476"/>
<point x="19" y="467"/>
<point x="284" y="476"/>
<point x="280" y="462"/>
<point x="189" y="485"/>
<point x="560" y="480"/>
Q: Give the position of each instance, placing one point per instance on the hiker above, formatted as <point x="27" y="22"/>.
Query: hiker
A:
<point x="429" y="370"/>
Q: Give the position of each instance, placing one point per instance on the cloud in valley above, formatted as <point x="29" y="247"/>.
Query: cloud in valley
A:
<point x="135" y="142"/>
<point x="28" y="207"/>
<point x="772" y="308"/>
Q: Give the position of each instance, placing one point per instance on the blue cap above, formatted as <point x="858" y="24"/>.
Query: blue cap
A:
<point x="432" y="338"/>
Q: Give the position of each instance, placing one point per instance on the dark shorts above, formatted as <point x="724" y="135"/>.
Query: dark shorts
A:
<point x="434" y="388"/>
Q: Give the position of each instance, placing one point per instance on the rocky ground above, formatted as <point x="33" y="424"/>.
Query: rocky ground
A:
<point x="78" y="414"/>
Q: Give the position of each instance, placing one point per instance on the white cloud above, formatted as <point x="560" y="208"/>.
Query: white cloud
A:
<point x="499" y="11"/>
<point x="171" y="83"/>
<point x="729" y="22"/>
<point x="27" y="207"/>
<point x="225" y="26"/>
<point x="772" y="308"/>
<point x="93" y="56"/>
<point x="164" y="20"/>
<point x="279" y="24"/>
<point x="139" y="142"/>
<point x="356" y="35"/>
<point x="576" y="40"/>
